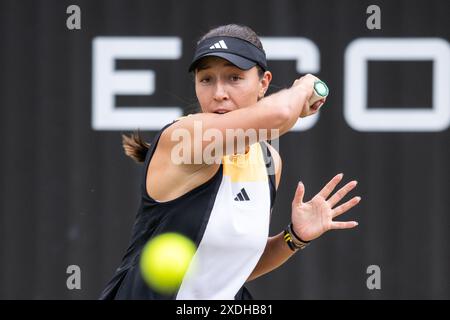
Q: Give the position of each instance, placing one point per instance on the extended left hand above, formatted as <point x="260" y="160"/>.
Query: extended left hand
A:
<point x="311" y="219"/>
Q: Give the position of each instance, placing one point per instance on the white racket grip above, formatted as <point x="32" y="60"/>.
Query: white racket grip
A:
<point x="320" y="91"/>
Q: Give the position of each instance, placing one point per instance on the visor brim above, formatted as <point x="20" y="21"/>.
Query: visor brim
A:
<point x="238" y="61"/>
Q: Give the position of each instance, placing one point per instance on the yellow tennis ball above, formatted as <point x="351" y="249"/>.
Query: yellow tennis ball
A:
<point x="165" y="260"/>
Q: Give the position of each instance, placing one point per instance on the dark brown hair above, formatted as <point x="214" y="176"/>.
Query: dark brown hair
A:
<point x="134" y="146"/>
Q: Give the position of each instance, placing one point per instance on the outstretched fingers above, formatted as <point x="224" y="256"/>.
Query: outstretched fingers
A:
<point x="343" y="224"/>
<point x="341" y="193"/>
<point x="346" y="206"/>
<point x="329" y="187"/>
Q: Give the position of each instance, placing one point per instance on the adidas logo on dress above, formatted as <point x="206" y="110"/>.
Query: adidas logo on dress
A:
<point x="242" y="196"/>
<point x="219" y="45"/>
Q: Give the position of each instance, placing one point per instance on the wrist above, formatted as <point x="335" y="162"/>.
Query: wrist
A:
<point x="297" y="97"/>
<point x="303" y="97"/>
<point x="296" y="236"/>
<point x="294" y="242"/>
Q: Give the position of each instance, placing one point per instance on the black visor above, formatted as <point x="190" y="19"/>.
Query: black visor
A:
<point x="241" y="53"/>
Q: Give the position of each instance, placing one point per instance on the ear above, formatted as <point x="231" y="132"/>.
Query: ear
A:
<point x="264" y="84"/>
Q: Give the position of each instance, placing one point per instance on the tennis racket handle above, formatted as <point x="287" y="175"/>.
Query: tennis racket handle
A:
<point x="320" y="92"/>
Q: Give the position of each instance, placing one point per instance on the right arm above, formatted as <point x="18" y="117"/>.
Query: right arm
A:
<point x="276" y="113"/>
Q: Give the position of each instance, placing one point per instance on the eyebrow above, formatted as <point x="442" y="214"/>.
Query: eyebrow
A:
<point x="207" y="66"/>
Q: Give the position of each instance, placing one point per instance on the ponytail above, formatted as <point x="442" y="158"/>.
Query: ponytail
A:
<point x="135" y="147"/>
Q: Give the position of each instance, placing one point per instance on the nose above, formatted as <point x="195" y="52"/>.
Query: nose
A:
<point x="220" y="92"/>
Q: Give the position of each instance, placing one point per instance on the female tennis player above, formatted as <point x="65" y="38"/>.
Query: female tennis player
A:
<point x="221" y="197"/>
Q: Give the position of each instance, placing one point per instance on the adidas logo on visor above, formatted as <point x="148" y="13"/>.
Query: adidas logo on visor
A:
<point x="219" y="45"/>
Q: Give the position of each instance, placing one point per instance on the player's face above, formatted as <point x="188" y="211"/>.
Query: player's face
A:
<point x="222" y="87"/>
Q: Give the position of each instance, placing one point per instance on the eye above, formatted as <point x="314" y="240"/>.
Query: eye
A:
<point x="235" y="78"/>
<point x="205" y="80"/>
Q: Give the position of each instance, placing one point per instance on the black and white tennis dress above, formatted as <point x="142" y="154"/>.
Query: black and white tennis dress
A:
<point x="227" y="217"/>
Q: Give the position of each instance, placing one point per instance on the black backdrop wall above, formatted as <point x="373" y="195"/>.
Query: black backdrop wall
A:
<point x="68" y="195"/>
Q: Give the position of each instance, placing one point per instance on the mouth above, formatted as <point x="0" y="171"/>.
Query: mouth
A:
<point x="221" y="111"/>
